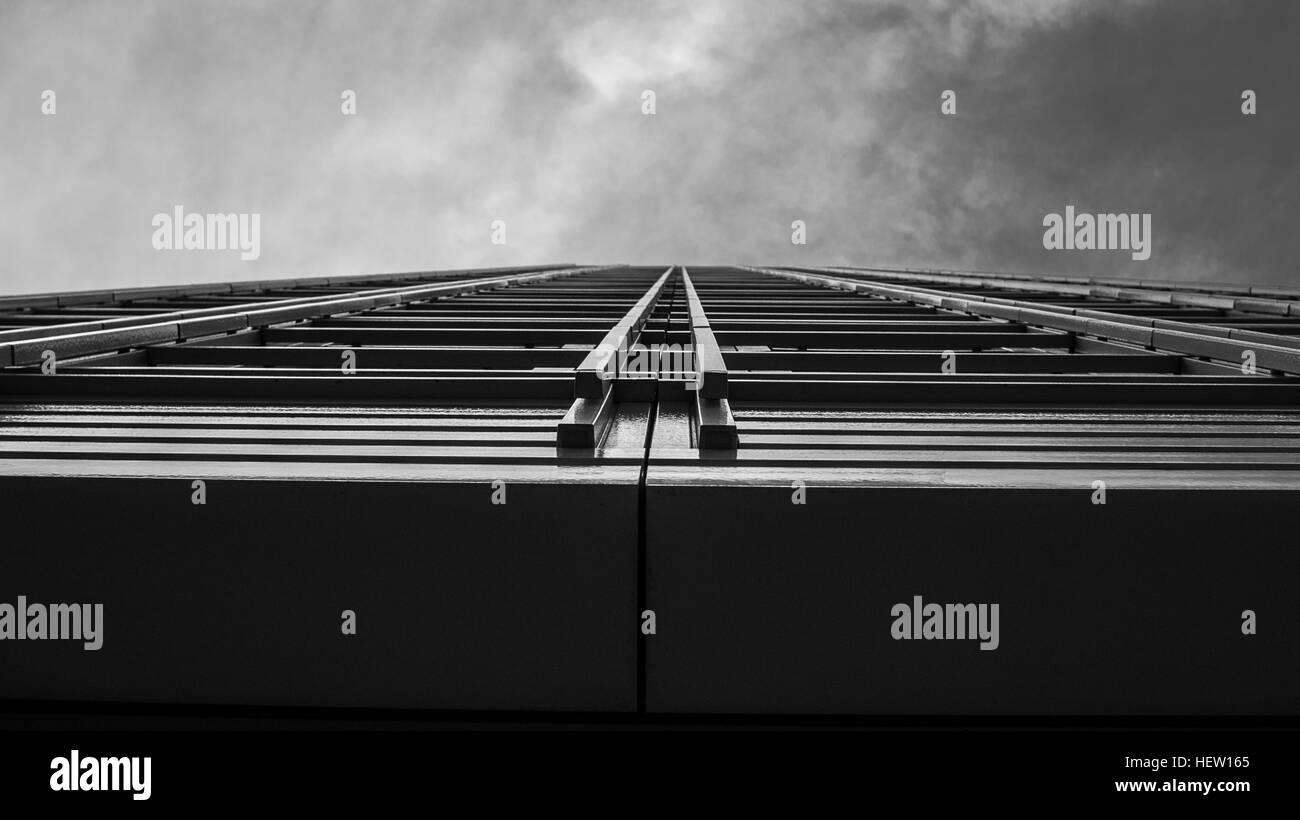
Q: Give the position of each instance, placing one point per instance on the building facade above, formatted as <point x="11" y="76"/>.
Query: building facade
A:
<point x="658" y="490"/>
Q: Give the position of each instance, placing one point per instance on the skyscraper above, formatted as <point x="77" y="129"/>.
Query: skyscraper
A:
<point x="659" y="490"/>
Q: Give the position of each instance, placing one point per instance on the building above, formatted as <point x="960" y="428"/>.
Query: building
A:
<point x="660" y="490"/>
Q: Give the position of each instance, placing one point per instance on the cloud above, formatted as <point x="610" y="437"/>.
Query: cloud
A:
<point x="530" y="112"/>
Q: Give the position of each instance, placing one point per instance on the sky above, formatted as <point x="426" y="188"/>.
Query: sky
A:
<point x="531" y="112"/>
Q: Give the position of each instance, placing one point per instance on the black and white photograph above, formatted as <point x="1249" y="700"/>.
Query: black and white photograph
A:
<point x="420" y="402"/>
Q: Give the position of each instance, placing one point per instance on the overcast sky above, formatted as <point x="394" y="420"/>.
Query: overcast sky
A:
<point x="530" y="112"/>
